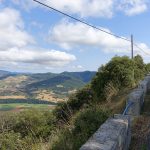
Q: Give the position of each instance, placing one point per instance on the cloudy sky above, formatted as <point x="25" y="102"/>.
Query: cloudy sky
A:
<point x="35" y="39"/>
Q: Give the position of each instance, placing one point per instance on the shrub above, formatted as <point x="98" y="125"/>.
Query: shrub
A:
<point x="83" y="126"/>
<point x="7" y="121"/>
<point x="76" y="101"/>
<point x="34" y="123"/>
<point x="10" y="141"/>
<point x="86" y="123"/>
<point x="147" y="68"/>
<point x="139" y="68"/>
<point x="13" y="141"/>
<point x="22" y="131"/>
<point x="110" y="91"/>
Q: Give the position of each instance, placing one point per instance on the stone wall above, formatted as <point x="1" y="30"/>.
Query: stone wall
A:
<point x="115" y="133"/>
<point x="136" y="97"/>
<point x="112" y="135"/>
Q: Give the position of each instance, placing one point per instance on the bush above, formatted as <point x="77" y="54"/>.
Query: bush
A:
<point x="86" y="123"/>
<point x="76" y="101"/>
<point x="10" y="141"/>
<point x="13" y="141"/>
<point x="139" y="68"/>
<point x="7" y="122"/>
<point x="147" y="68"/>
<point x="25" y="129"/>
<point x="83" y="126"/>
<point x="34" y="123"/>
<point x="110" y="91"/>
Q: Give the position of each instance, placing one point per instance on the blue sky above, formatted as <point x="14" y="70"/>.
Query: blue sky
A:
<point x="35" y="39"/>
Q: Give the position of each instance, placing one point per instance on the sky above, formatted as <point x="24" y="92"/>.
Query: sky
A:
<point x="35" y="39"/>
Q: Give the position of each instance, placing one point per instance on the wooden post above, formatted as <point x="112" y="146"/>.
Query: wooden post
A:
<point x="132" y="54"/>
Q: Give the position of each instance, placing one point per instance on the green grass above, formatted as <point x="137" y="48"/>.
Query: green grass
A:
<point x="11" y="107"/>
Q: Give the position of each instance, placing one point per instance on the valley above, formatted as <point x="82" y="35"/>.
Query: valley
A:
<point x="49" y="89"/>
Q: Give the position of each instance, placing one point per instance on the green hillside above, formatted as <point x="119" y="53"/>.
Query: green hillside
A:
<point x="24" y="85"/>
<point x="59" y="83"/>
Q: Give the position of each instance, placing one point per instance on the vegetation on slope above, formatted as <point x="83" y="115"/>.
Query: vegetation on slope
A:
<point x="73" y="122"/>
<point x="28" y="85"/>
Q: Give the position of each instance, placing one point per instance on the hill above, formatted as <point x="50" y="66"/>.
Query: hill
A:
<point x="62" y="82"/>
<point x="44" y="86"/>
<point x="85" y="76"/>
<point x="4" y="74"/>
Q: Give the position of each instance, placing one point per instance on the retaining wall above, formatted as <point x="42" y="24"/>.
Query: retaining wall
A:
<point x="115" y="133"/>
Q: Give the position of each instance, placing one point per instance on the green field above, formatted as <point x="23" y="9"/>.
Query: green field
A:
<point x="20" y="107"/>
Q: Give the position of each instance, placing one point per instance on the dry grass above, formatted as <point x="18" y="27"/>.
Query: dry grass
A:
<point x="141" y="127"/>
<point x="110" y="91"/>
<point x="118" y="102"/>
<point x="13" y="97"/>
<point x="140" y="132"/>
<point x="48" y="96"/>
<point x="12" y="82"/>
<point x="9" y="86"/>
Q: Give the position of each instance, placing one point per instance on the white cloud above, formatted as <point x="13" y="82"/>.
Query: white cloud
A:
<point x="12" y="33"/>
<point x="51" y="58"/>
<point x="15" y="43"/>
<point x="78" y="67"/>
<point x="144" y="49"/>
<point x="133" y="7"/>
<point x="84" y="8"/>
<point x="69" y="35"/>
<point x="91" y="8"/>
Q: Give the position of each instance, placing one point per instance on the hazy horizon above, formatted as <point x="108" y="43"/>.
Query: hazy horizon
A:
<point x="47" y="72"/>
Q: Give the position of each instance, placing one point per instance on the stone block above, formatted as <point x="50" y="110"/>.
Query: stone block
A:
<point x="112" y="135"/>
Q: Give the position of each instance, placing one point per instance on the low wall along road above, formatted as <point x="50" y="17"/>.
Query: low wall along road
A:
<point x="115" y="133"/>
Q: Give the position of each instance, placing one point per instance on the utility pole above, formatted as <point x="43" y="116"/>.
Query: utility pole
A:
<point x="132" y="54"/>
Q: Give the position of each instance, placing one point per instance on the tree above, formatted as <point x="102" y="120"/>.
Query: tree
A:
<point x="119" y="72"/>
<point x="147" y="68"/>
<point x="139" y="68"/>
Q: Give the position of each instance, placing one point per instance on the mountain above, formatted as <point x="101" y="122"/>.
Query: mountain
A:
<point x="63" y="82"/>
<point x="4" y="74"/>
<point x="42" y="85"/>
<point x="85" y="76"/>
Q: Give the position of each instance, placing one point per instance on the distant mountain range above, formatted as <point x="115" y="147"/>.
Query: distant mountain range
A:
<point x="4" y="74"/>
<point x="62" y="82"/>
<point x="26" y="84"/>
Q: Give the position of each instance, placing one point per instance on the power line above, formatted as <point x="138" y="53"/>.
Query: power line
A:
<point x="81" y="21"/>
<point x="141" y="49"/>
<point x="90" y="25"/>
